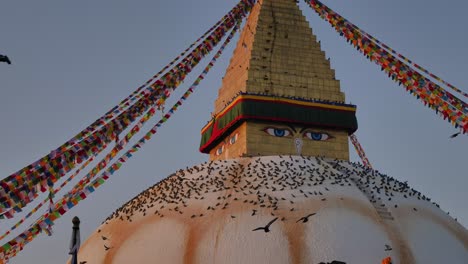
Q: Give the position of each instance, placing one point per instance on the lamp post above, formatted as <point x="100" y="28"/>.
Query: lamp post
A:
<point x="75" y="240"/>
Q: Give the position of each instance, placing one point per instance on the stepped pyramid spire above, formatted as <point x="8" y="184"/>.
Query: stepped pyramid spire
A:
<point x="279" y="94"/>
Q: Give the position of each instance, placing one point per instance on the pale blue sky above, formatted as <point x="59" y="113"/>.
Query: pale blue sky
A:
<point x="74" y="60"/>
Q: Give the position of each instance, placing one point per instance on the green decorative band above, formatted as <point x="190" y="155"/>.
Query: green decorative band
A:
<point x="280" y="110"/>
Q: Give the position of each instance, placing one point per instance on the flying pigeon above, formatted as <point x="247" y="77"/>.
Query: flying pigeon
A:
<point x="267" y="227"/>
<point x="4" y="58"/>
<point x="455" y="135"/>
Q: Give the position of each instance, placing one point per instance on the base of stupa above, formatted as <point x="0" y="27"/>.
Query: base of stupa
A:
<point x="319" y="210"/>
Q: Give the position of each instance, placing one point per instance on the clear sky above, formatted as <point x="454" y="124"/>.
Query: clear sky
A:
<point x="74" y="60"/>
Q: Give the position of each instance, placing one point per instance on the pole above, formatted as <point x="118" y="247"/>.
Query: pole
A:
<point x="75" y="241"/>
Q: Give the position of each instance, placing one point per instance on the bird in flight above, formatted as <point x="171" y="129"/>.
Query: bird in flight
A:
<point x="455" y="135"/>
<point x="267" y="227"/>
<point x="4" y="58"/>
<point x="388" y="247"/>
<point x="106" y="247"/>
<point x="104" y="238"/>
<point x="305" y="218"/>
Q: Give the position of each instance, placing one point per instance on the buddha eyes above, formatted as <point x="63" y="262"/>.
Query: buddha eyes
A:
<point x="278" y="132"/>
<point x="233" y="139"/>
<point x="220" y="150"/>
<point x="317" y="136"/>
<point x="285" y="132"/>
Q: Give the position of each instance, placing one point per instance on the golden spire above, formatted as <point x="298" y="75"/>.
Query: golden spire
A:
<point x="279" y="94"/>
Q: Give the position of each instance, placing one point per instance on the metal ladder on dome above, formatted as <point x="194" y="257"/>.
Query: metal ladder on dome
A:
<point x="387" y="220"/>
<point x="381" y="208"/>
<point x="384" y="214"/>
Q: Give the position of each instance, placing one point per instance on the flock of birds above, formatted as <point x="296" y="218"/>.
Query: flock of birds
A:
<point x="379" y="188"/>
<point x="267" y="186"/>
<point x="254" y="183"/>
<point x="257" y="182"/>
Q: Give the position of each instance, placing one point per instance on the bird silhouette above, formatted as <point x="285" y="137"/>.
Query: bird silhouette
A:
<point x="305" y="218"/>
<point x="267" y="227"/>
<point x="4" y="58"/>
<point x="104" y="238"/>
<point x="455" y="135"/>
<point x="388" y="247"/>
<point x="106" y="247"/>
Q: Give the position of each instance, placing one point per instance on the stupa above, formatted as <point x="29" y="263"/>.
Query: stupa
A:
<point x="279" y="186"/>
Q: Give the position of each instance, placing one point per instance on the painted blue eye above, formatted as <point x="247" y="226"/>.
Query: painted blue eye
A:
<point x="220" y="150"/>
<point x="277" y="132"/>
<point x="233" y="139"/>
<point x="317" y="136"/>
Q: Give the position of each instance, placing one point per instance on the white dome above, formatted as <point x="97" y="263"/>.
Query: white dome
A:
<point x="207" y="214"/>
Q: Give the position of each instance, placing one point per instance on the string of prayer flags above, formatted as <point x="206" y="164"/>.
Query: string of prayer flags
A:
<point x="448" y="106"/>
<point x="354" y="36"/>
<point x="137" y="94"/>
<point x="57" y="164"/>
<point x="48" y="171"/>
<point x="82" y="184"/>
<point x="12" y="247"/>
<point x="408" y="61"/>
<point x="132" y="132"/>
<point x="109" y="157"/>
<point x="360" y="151"/>
<point x="35" y="209"/>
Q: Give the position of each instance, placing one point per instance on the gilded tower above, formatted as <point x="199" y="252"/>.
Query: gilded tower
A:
<point x="279" y="94"/>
